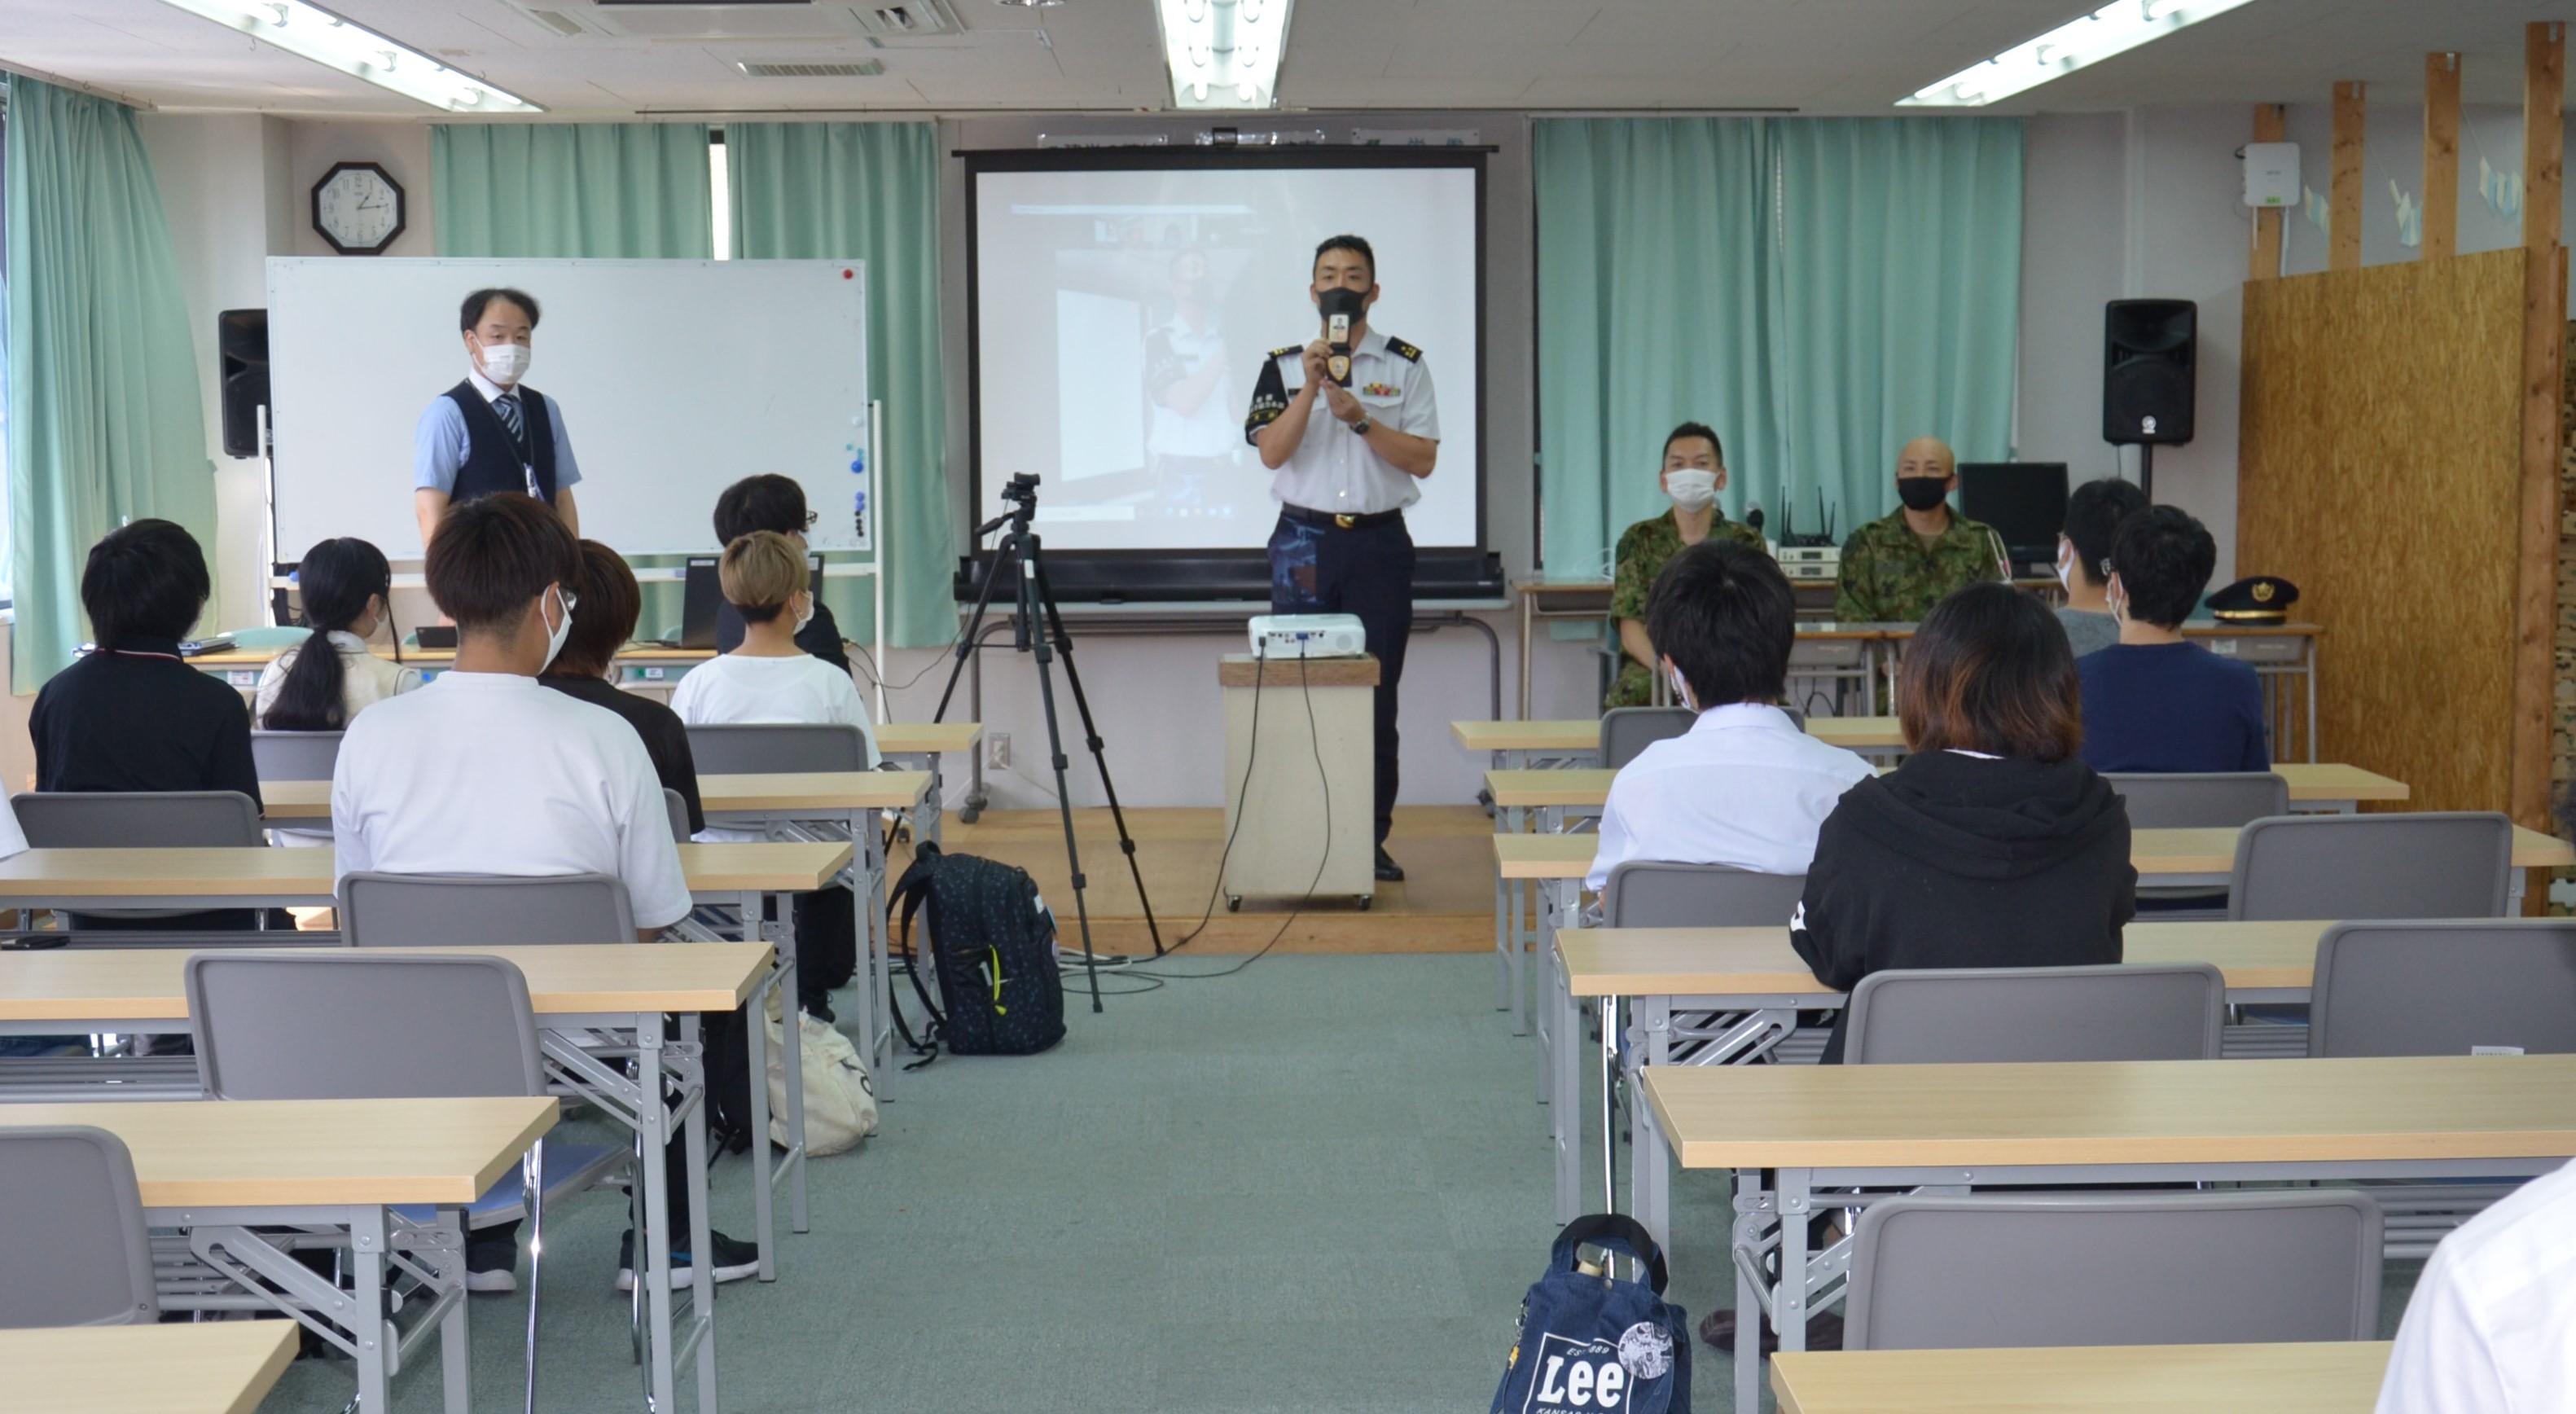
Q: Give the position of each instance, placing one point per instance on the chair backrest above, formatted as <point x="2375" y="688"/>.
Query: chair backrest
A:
<point x="2199" y="799"/>
<point x="2442" y="989"/>
<point x="676" y="806"/>
<point x="1651" y="893"/>
<point x="772" y="748"/>
<point x="328" y="1024"/>
<point x="1625" y="731"/>
<point x="2433" y="864"/>
<point x="2152" y="1268"/>
<point x="140" y="819"/>
<point x="295" y="756"/>
<point x="442" y="910"/>
<point x="71" y="1231"/>
<point x="1970" y="1014"/>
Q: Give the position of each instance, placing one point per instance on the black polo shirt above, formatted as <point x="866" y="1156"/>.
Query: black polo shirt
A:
<point x="666" y="739"/>
<point x="138" y="717"/>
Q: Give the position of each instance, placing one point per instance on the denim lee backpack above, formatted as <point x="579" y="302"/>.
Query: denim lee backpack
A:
<point x="1591" y="1342"/>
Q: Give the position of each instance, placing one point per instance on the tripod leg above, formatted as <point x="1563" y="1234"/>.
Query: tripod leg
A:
<point x="1063" y="788"/>
<point x="968" y="642"/>
<point x="1091" y="734"/>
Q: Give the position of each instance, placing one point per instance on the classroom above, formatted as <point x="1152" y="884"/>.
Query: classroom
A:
<point x="1239" y="706"/>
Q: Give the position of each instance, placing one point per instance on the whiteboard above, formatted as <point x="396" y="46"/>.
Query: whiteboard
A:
<point x="676" y="378"/>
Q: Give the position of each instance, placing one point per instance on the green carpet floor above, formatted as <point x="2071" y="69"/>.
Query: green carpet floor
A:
<point x="1320" y="1185"/>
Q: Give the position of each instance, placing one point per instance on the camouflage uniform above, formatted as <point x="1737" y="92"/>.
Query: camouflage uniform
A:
<point x="1644" y="549"/>
<point x="1888" y="577"/>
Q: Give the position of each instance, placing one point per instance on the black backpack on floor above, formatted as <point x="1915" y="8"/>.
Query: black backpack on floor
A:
<point x="991" y="942"/>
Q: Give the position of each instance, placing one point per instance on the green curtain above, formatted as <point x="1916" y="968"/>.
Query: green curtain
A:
<point x="633" y="191"/>
<point x="870" y="191"/>
<point x="105" y="421"/>
<point x="1818" y="290"/>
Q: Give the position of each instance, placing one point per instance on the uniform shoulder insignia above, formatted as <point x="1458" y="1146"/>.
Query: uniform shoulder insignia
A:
<point x="1291" y="349"/>
<point x="1403" y="350"/>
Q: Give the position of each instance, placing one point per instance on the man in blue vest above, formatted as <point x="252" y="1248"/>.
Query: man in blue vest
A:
<point x="490" y="433"/>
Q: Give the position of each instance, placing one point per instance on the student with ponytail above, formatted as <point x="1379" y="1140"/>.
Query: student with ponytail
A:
<point x="347" y="589"/>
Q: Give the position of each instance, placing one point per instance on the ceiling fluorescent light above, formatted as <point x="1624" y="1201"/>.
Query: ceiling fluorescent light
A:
<point x="1223" y="53"/>
<point x="2116" y="28"/>
<point x="316" y="34"/>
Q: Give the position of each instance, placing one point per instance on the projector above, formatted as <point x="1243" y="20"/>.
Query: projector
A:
<point x="1308" y="636"/>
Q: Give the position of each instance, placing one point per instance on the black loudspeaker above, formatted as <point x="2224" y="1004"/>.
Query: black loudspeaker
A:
<point x="2148" y="346"/>
<point x="241" y="348"/>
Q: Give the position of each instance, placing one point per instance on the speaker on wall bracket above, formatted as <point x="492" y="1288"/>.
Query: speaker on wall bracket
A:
<point x="241" y="346"/>
<point x="2148" y="349"/>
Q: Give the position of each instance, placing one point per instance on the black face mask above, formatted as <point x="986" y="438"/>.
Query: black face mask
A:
<point x="1344" y="300"/>
<point x="1922" y="493"/>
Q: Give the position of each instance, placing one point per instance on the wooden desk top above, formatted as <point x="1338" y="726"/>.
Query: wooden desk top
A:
<point x="798" y="790"/>
<point x="189" y="1367"/>
<point x="923" y="738"/>
<point x="1566" y="736"/>
<point x="2118" y="1112"/>
<point x="261" y="1153"/>
<point x="762" y="867"/>
<point x="442" y="657"/>
<point x="2338" y="1377"/>
<point x="1682" y="962"/>
<point x="1857" y="733"/>
<point x="1590" y="787"/>
<point x="2154" y="852"/>
<point x="139" y="984"/>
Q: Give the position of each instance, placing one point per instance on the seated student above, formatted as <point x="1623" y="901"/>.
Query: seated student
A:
<point x="1694" y="472"/>
<point x="773" y="502"/>
<point x="485" y="772"/>
<point x="2153" y="702"/>
<point x="2492" y="1323"/>
<point x="771" y="679"/>
<point x="610" y="601"/>
<point x="1993" y="845"/>
<point x="2093" y="512"/>
<point x="1745" y="786"/>
<point x="346" y="586"/>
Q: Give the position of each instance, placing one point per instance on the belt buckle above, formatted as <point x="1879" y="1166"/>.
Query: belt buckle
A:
<point x="1345" y="522"/>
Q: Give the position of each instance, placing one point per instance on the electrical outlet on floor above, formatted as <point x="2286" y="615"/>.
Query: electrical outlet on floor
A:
<point x="997" y="751"/>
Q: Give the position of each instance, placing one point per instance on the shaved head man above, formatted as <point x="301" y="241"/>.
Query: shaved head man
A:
<point x="1895" y="568"/>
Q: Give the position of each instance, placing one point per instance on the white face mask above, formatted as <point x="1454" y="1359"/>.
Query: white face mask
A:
<point x="2065" y="568"/>
<point x="505" y="364"/>
<point x="1691" y="488"/>
<point x="2117" y="601"/>
<point x="1681" y="689"/>
<point x="806" y="617"/>
<point x="556" y="635"/>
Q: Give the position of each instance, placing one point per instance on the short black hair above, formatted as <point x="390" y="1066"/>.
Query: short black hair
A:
<point x="1722" y="611"/>
<point x="1697" y="429"/>
<point x="1356" y="244"/>
<point x="2093" y="513"/>
<point x="144" y="580"/>
<point x="471" y="313"/>
<point x="2164" y="559"/>
<point x="493" y="555"/>
<point x="764" y="502"/>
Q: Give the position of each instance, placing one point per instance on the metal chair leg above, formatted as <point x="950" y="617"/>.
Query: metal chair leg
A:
<point x="532" y="1180"/>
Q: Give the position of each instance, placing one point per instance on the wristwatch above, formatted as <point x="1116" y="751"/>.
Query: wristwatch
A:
<point x="1362" y="426"/>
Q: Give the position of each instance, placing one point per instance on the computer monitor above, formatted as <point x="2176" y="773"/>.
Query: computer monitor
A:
<point x="706" y="620"/>
<point x="2024" y="501"/>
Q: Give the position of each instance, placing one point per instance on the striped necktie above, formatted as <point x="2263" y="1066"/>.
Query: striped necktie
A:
<point x="506" y="407"/>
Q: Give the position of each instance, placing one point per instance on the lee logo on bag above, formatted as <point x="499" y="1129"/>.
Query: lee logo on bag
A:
<point x="1592" y="1343"/>
<point x="1576" y="1375"/>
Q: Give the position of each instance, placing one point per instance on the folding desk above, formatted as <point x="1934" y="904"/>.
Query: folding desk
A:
<point x="214" y="1367"/>
<point x="214" y="1171"/>
<point x="2323" y="1377"/>
<point x="920" y="745"/>
<point x="595" y="1003"/>
<point x="2319" y="788"/>
<point x="2125" y="1122"/>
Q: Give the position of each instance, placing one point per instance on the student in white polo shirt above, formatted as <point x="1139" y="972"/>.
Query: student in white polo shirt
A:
<point x="2492" y="1325"/>
<point x="484" y="771"/>
<point x="1745" y="787"/>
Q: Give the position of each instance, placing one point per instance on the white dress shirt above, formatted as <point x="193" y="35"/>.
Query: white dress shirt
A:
<point x="365" y="679"/>
<point x="1744" y="787"/>
<point x="2492" y="1325"/>
<point x="490" y="773"/>
<point x="1335" y="470"/>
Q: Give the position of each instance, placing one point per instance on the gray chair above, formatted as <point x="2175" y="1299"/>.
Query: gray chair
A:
<point x="141" y="819"/>
<point x="295" y="756"/>
<point x="1625" y="731"/>
<point x="434" y="910"/>
<point x="2199" y="799"/>
<point x="2432" y="864"/>
<point x="676" y="806"/>
<point x="72" y="1241"/>
<point x="1952" y="1015"/>
<point x="773" y="748"/>
<point x="1645" y="893"/>
<point x="2443" y="989"/>
<point x="2141" y="1268"/>
<point x="264" y="1022"/>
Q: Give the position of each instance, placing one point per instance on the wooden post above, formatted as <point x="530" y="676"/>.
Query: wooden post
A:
<point x="2543" y="333"/>
<point x="2343" y="199"/>
<point x="2269" y="120"/>
<point x="2441" y="156"/>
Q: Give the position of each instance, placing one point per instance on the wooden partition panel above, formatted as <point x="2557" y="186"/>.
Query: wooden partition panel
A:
<point x="2380" y="470"/>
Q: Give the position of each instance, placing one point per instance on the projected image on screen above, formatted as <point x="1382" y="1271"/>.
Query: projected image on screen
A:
<point x="1123" y="316"/>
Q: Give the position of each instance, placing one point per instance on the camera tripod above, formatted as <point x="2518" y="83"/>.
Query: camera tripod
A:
<point x="1037" y="628"/>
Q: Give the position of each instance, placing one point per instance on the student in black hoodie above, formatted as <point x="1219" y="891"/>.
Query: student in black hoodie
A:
<point x="1994" y="845"/>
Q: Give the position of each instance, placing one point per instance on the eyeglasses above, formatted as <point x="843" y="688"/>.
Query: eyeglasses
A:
<point x="811" y="517"/>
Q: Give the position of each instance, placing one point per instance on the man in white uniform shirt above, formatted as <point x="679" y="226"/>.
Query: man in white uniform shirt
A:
<point x="1192" y="434"/>
<point x="1349" y="438"/>
<point x="1745" y="786"/>
<point x="2491" y="1328"/>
